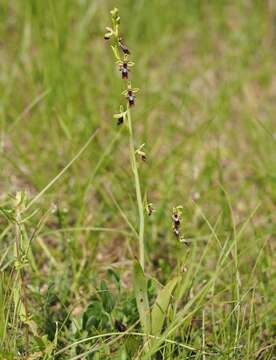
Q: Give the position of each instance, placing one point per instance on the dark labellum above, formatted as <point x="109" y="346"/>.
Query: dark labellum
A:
<point x="120" y="120"/>
<point x="107" y="37"/>
<point x="176" y="220"/>
<point x="143" y="157"/>
<point x="176" y="225"/>
<point x="123" y="47"/>
<point x="149" y="210"/>
<point x="131" y="98"/>
<point x="120" y="326"/>
<point x="124" y="70"/>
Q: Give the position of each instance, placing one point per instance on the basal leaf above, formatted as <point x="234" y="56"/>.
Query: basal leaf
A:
<point x="160" y="307"/>
<point x="141" y="295"/>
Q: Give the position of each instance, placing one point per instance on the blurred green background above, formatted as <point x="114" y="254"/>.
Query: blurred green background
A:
<point x="205" y="110"/>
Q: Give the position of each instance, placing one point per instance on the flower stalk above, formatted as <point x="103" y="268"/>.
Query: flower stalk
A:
<point x="138" y="191"/>
<point x="121" y="54"/>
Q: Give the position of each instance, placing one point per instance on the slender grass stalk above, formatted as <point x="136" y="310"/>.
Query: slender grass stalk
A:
<point x="56" y="178"/>
<point x="138" y="191"/>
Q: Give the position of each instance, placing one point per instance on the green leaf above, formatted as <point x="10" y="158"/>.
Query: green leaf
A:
<point x="39" y="342"/>
<point x="132" y="344"/>
<point x="107" y="298"/>
<point x="115" y="277"/>
<point x="141" y="295"/>
<point x="94" y="316"/>
<point x="160" y="306"/>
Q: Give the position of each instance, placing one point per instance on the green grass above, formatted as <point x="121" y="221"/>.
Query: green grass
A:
<point x="206" y="112"/>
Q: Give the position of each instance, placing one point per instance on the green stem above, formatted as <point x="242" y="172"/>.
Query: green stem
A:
<point x="22" y="287"/>
<point x="138" y="191"/>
